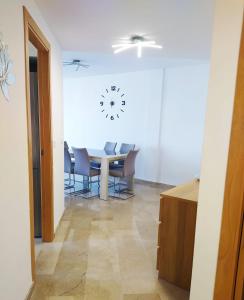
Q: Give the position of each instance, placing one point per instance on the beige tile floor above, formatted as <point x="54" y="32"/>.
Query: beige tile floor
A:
<point x="105" y="250"/>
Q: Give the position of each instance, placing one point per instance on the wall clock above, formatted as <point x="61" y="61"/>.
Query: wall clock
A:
<point x="112" y="103"/>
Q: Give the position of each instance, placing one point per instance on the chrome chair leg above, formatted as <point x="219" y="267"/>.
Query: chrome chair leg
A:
<point x="89" y="188"/>
<point x="69" y="185"/>
<point x="121" y="191"/>
<point x="98" y="185"/>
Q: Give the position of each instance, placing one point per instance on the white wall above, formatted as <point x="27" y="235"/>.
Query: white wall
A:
<point x="85" y="125"/>
<point x="15" y="258"/>
<point x="225" y="51"/>
<point x="182" y="122"/>
<point x="164" y="117"/>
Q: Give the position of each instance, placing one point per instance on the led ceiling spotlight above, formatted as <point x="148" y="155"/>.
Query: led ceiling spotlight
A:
<point x="138" y="42"/>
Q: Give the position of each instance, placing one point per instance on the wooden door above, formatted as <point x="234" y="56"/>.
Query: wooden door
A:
<point x="233" y="208"/>
<point x="34" y="35"/>
<point x="239" y="290"/>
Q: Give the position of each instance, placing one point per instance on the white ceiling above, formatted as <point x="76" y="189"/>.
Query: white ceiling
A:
<point x="86" y="29"/>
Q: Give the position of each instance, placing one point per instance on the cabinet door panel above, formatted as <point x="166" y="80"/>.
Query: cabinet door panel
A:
<point x="177" y="241"/>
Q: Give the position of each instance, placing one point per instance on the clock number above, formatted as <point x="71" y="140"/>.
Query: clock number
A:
<point x="123" y="102"/>
<point x="113" y="88"/>
<point x="101" y="103"/>
<point x="112" y="118"/>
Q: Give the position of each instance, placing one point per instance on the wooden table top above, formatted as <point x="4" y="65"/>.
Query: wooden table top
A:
<point x="188" y="191"/>
<point x="99" y="154"/>
<point x="102" y="153"/>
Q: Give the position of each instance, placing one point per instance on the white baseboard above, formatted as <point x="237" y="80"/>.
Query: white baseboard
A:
<point x="152" y="183"/>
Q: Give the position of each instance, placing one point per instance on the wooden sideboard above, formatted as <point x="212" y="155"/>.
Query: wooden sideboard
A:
<point x="176" y="233"/>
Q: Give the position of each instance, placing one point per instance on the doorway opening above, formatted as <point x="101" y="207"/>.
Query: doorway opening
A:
<point x="40" y="161"/>
<point x="36" y="149"/>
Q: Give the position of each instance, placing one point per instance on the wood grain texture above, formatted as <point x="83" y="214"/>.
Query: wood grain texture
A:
<point x="188" y="191"/>
<point x="176" y="234"/>
<point x="35" y="36"/>
<point x="46" y="146"/>
<point x="233" y="197"/>
<point x="239" y="289"/>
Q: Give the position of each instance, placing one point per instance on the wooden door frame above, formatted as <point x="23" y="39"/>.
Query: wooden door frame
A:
<point x="33" y="34"/>
<point x="233" y="208"/>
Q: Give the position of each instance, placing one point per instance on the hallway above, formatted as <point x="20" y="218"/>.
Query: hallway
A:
<point x="105" y="251"/>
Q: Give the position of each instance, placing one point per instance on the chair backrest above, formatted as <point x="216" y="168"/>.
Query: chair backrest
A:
<point x="66" y="145"/>
<point x="110" y="147"/>
<point x="125" y="148"/>
<point x="129" y="164"/>
<point x="82" y="163"/>
<point x="67" y="161"/>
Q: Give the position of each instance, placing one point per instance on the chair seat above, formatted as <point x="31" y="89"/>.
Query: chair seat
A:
<point x="95" y="164"/>
<point x="94" y="172"/>
<point x="117" y="172"/>
<point x="113" y="166"/>
<point x="116" y="164"/>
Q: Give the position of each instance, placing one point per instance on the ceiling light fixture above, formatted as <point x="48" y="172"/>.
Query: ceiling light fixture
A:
<point x="78" y="63"/>
<point x="138" y="42"/>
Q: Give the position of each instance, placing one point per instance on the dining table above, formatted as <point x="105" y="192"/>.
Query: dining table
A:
<point x="105" y="158"/>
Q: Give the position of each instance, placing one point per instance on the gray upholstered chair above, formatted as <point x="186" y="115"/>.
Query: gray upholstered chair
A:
<point x="124" y="149"/>
<point x="109" y="148"/>
<point x="83" y="168"/>
<point x="66" y="145"/>
<point x="127" y="171"/>
<point x="68" y="168"/>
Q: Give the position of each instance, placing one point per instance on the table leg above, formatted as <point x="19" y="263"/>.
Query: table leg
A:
<point x="104" y="178"/>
